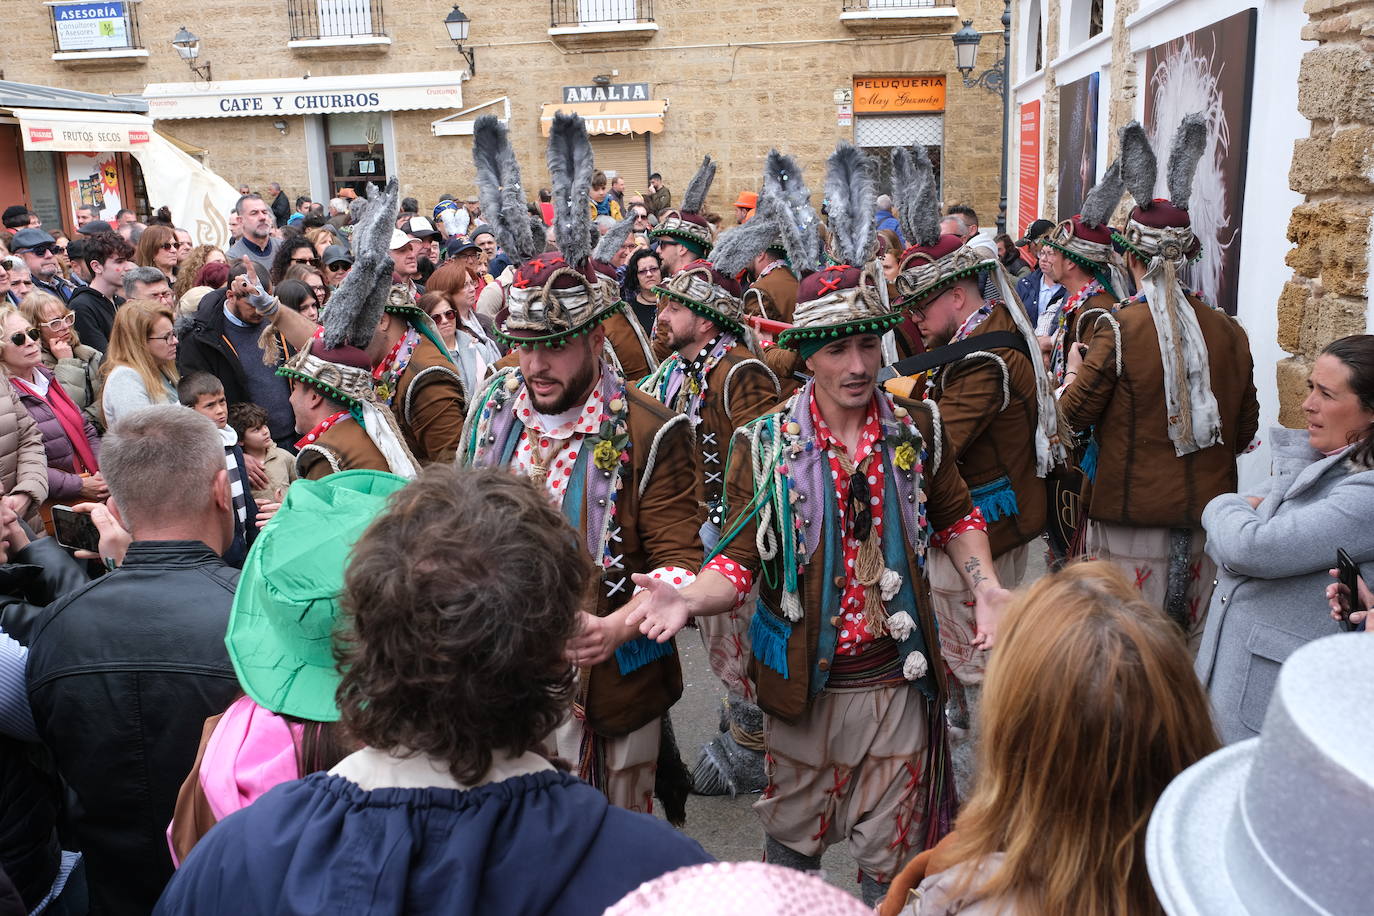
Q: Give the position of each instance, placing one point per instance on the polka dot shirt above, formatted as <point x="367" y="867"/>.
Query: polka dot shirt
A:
<point x="558" y="437"/>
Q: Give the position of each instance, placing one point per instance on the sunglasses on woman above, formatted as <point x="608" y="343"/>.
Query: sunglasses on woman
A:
<point x="310" y="261"/>
<point x="57" y="324"/>
<point x="446" y="315"/>
<point x="168" y="246"/>
<point x="18" y="337"/>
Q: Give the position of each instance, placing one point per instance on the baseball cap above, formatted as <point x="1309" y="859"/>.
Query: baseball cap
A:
<point x="94" y="226"/>
<point x="335" y="254"/>
<point x="421" y="228"/>
<point x="286" y="611"/>
<point x="459" y="245"/>
<point x="399" y="239"/>
<point x="30" y="238"/>
<point x="1035" y="232"/>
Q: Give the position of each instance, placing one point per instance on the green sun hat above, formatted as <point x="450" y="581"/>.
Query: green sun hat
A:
<point x="281" y="627"/>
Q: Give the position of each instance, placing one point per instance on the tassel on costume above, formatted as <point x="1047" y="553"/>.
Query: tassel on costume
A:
<point x="639" y="652"/>
<point x="672" y="782"/>
<point x="768" y="637"/>
<point x="995" y="499"/>
<point x="1089" y="462"/>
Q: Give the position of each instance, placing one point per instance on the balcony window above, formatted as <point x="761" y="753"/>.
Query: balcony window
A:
<point x="84" y="30"/>
<point x="335" y="21"/>
<point x="565" y="13"/>
<point x="851" y="6"/>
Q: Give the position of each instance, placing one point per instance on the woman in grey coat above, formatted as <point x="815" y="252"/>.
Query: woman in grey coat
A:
<point x="1273" y="551"/>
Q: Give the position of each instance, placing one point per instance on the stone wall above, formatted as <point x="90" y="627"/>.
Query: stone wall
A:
<point x="1333" y="168"/>
<point x="728" y="98"/>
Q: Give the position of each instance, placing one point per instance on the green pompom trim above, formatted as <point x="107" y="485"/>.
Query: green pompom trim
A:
<point x="354" y="406"/>
<point x="549" y="340"/>
<point x="696" y="246"/>
<point x="705" y="311"/>
<point x="875" y="325"/>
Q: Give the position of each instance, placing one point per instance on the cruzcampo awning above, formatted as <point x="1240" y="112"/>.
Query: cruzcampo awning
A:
<point x="645" y="117"/>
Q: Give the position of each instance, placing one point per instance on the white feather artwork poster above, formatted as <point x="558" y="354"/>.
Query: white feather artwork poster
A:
<point x="1210" y="70"/>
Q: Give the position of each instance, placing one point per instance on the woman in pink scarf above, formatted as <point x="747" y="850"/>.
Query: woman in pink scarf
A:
<point x="69" y="438"/>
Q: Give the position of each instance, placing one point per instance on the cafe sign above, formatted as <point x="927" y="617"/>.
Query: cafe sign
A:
<point x="898" y="94"/>
<point x="321" y="95"/>
<point x="90" y="26"/>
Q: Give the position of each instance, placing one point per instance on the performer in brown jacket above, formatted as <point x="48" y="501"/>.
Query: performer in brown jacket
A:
<point x="997" y="407"/>
<point x="620" y="464"/>
<point x="1167" y="385"/>
<point x="342" y="426"/>
<point x="717" y="382"/>
<point x="832" y="502"/>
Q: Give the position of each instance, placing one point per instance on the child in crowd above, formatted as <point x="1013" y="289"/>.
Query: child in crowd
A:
<point x="255" y="438"/>
<point x="204" y="394"/>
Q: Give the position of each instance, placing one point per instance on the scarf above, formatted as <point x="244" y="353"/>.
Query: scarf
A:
<point x="69" y="415"/>
<point x="1193" y="417"/>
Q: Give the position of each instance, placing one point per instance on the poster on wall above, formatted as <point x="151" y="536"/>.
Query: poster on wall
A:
<point x="90" y="26"/>
<point x="1077" y="143"/>
<point x="1028" y="179"/>
<point x="1211" y="71"/>
<point x="93" y="180"/>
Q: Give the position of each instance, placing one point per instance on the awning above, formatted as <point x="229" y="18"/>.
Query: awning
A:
<point x="644" y="117"/>
<point x="190" y="149"/>
<point x="58" y="130"/>
<point x="306" y="95"/>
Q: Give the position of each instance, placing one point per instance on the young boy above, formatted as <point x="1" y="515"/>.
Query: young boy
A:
<point x="204" y="393"/>
<point x="255" y="438"/>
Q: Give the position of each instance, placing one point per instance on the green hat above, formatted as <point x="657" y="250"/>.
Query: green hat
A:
<point x="281" y="627"/>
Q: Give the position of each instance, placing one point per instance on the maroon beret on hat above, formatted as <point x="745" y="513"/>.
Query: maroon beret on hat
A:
<point x="947" y="244"/>
<point x="346" y="355"/>
<point x="729" y="284"/>
<point x="828" y="280"/>
<point x="1161" y="214"/>
<point x="538" y="271"/>
<point x="1101" y="235"/>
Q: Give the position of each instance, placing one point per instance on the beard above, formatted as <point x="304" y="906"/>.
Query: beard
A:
<point x="941" y="336"/>
<point x="567" y="393"/>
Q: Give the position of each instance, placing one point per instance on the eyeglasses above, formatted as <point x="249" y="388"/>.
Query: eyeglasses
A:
<point x="167" y="246"/>
<point x="319" y="291"/>
<point x="303" y="261"/>
<point x="18" y="337"/>
<point x="645" y="271"/>
<point x="166" y="338"/>
<point x="57" y="324"/>
<point x="446" y="315"/>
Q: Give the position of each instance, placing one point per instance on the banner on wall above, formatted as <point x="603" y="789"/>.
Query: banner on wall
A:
<point x="1210" y="70"/>
<point x="90" y="26"/>
<point x="1028" y="182"/>
<point x="1077" y="144"/>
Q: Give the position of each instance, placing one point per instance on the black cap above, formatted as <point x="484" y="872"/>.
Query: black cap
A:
<point x="94" y="226"/>
<point x="14" y="210"/>
<point x="336" y="254"/>
<point x="1038" y="230"/>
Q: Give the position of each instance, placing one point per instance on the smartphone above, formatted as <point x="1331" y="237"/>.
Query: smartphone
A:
<point x="75" y="530"/>
<point x="1348" y="574"/>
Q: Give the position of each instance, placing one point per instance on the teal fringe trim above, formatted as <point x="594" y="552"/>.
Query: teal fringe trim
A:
<point x="639" y="652"/>
<point x="768" y="634"/>
<point x="995" y="499"/>
<point x="1089" y="462"/>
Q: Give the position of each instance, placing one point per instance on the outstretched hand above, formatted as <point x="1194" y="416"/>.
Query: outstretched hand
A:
<point x="988" y="607"/>
<point x="661" y="610"/>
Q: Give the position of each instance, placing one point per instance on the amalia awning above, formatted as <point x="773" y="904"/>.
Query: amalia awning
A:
<point x="644" y="117"/>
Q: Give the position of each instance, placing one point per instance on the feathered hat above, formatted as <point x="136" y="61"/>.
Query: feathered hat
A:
<point x="850" y="296"/>
<point x="1086" y="239"/>
<point x="357" y="305"/>
<point x="687" y="226"/>
<point x="931" y="262"/>
<point x="1161" y="228"/>
<point x="560" y="295"/>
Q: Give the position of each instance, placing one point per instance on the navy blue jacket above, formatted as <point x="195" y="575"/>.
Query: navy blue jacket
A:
<point x="884" y="219"/>
<point x="1028" y="291"/>
<point x="540" y="843"/>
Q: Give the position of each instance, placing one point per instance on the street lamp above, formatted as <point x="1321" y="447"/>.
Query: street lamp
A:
<point x="458" y="24"/>
<point x="994" y="80"/>
<point x="187" y="44"/>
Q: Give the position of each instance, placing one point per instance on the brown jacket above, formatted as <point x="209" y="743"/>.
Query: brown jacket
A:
<point x="947" y="501"/>
<point x="23" y="461"/>
<point x="658" y="521"/>
<point x="632" y="350"/>
<point x="989" y="413"/>
<point x="778" y="292"/>
<point x="1140" y="482"/>
<point x="430" y="405"/>
<point x="345" y="446"/>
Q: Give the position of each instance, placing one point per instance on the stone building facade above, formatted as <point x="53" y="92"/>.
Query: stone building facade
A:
<point x="297" y="97"/>
<point x="1333" y="168"/>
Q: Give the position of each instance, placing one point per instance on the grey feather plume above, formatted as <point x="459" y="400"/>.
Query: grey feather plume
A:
<point x="694" y="198"/>
<point x="1138" y="166"/>
<point x="850" y="191"/>
<point x="913" y="182"/>
<point x="356" y="307"/>
<point x="786" y="201"/>
<point x="735" y="249"/>
<point x="570" y="169"/>
<point x="1190" y="141"/>
<point x="1102" y="199"/>
<point x="499" y="189"/>
<point x="615" y="237"/>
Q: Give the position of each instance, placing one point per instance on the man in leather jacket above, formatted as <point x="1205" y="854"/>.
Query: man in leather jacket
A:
<point x="124" y="671"/>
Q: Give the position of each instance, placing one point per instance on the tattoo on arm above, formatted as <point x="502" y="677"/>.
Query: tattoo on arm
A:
<point x="974" y="567"/>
